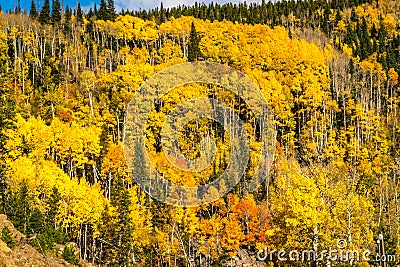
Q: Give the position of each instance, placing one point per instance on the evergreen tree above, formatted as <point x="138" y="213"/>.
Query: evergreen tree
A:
<point x="124" y="227"/>
<point x="33" y="11"/>
<point x="365" y="42"/>
<point x="374" y="31"/>
<point x="79" y="13"/>
<point x="382" y="36"/>
<point x="103" y="11"/>
<point x="7" y="114"/>
<point x="36" y="222"/>
<point x="54" y="202"/>
<point x="111" y="10"/>
<point x="162" y="13"/>
<point x="69" y="256"/>
<point x="139" y="167"/>
<point x="20" y="209"/>
<point x="90" y="14"/>
<point x="7" y="237"/>
<point x="17" y="9"/>
<point x="193" y="48"/>
<point x="44" y="226"/>
<point x="67" y="20"/>
<point x="44" y="16"/>
<point x="351" y="66"/>
<point x="119" y="228"/>
<point x="56" y="12"/>
<point x="325" y="25"/>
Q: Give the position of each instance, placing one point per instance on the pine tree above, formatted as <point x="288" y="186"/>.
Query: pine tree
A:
<point x="103" y="11"/>
<point x="7" y="115"/>
<point x="7" y="237"/>
<point x="56" y="12"/>
<point x="20" y="210"/>
<point x="382" y="35"/>
<point x="118" y="226"/>
<point x="79" y="13"/>
<point x="90" y="14"/>
<point x="111" y="10"/>
<point x="17" y="9"/>
<point x="325" y="25"/>
<point x="124" y="227"/>
<point x="33" y="11"/>
<point x="44" y="226"/>
<point x="36" y="222"/>
<point x="67" y="20"/>
<point x="43" y="231"/>
<point x="162" y="13"/>
<point x="365" y="42"/>
<point x="139" y="171"/>
<point x="54" y="202"/>
<point x="193" y="48"/>
<point x="351" y="66"/>
<point x="69" y="256"/>
<point x="44" y="16"/>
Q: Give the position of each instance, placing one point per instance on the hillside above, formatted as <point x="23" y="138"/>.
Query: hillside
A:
<point x="96" y="150"/>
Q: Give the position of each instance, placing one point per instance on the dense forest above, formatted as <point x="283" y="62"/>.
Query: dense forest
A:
<point x="328" y="70"/>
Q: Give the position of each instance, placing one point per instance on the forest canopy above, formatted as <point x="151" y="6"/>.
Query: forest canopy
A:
<point x="327" y="69"/>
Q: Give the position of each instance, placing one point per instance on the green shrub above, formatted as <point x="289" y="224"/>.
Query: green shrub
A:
<point x="69" y="256"/>
<point x="48" y="238"/>
<point x="7" y="237"/>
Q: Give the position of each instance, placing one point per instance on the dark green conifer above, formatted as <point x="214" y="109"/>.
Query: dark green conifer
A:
<point x="54" y="203"/>
<point x="56" y="12"/>
<point x="119" y="226"/>
<point x="6" y="237"/>
<point x="36" y="222"/>
<point x="111" y="10"/>
<point x="44" y="16"/>
<point x="7" y="115"/>
<point x="103" y="11"/>
<point x="193" y="48"/>
<point x="20" y="210"/>
<point x="351" y="66"/>
<point x="67" y="20"/>
<point x="79" y="13"/>
<point x="162" y="13"/>
<point x="33" y="11"/>
<point x="17" y="9"/>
